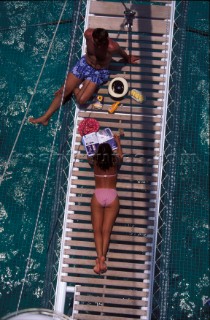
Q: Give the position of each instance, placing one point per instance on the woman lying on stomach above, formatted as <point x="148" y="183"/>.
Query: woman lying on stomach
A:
<point x="105" y="201"/>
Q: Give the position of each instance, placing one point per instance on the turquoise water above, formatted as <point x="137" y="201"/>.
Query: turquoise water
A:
<point x="23" y="50"/>
<point x="189" y="263"/>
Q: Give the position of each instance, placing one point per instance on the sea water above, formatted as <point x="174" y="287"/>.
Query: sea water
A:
<point x="25" y="39"/>
<point x="26" y="193"/>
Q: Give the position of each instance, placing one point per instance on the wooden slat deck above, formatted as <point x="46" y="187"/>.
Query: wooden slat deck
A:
<point x="124" y="291"/>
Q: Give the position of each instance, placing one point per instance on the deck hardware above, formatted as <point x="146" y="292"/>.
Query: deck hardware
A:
<point x="129" y="16"/>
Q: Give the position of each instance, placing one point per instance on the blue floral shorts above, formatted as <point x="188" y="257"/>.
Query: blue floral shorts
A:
<point x="84" y="71"/>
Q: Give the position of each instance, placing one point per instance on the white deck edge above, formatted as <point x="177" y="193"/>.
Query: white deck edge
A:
<point x="160" y="166"/>
<point x="61" y="287"/>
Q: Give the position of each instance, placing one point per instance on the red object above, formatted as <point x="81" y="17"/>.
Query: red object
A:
<point x="88" y="125"/>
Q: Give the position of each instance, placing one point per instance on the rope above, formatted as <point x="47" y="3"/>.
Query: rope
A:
<point x="46" y="178"/>
<point x="28" y="107"/>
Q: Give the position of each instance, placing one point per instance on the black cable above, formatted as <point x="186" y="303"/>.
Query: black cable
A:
<point x="200" y="32"/>
<point x="189" y="29"/>
<point x="124" y="5"/>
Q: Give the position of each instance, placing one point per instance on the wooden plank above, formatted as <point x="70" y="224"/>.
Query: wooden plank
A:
<point x="123" y="211"/>
<point x="123" y="202"/>
<point x="126" y="186"/>
<point x="122" y="194"/>
<point x="98" y="280"/>
<point x="139" y="25"/>
<point x="136" y="220"/>
<point x="117" y="9"/>
<point x="110" y="255"/>
<point x="124" y="168"/>
<point x="121" y="176"/>
<point x="141" y="151"/>
<point x="82" y="316"/>
<point x="133" y="106"/>
<point x="129" y="102"/>
<point x="145" y="62"/>
<point x="142" y="170"/>
<point x="134" y="134"/>
<point x="127" y="311"/>
<point x="131" y="126"/>
<point x="129" y="194"/>
<point x="126" y="202"/>
<point x="115" y="237"/>
<point x="144" y="54"/>
<point x="112" y="264"/>
<point x="129" y="229"/>
<point x="161" y="1"/>
<point x="113" y="246"/>
<point x="127" y="108"/>
<point x="137" y="162"/>
<point x="116" y="301"/>
<point x="141" y="38"/>
<point x="150" y="79"/>
<point x="129" y="43"/>
<point x="114" y="117"/>
<point x="149" y="95"/>
<point x="147" y="157"/>
<point x="115" y="274"/>
<point x="126" y="121"/>
<point x="149" y="69"/>
<point x="106" y="291"/>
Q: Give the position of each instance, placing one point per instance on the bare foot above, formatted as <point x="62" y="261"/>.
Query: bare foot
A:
<point x="103" y="266"/>
<point x="40" y="120"/>
<point x="96" y="269"/>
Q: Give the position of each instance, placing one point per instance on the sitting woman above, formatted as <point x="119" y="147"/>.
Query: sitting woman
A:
<point x="105" y="202"/>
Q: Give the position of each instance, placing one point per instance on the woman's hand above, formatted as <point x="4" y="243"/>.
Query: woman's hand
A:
<point x="119" y="149"/>
<point x="117" y="138"/>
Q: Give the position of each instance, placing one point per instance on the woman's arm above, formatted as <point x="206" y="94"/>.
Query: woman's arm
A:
<point x="119" y="148"/>
<point x="90" y="161"/>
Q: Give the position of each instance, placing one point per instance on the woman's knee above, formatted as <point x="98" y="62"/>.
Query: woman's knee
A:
<point x="106" y="231"/>
<point x="97" y="232"/>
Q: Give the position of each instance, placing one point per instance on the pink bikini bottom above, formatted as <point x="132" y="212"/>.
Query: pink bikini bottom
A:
<point x="105" y="196"/>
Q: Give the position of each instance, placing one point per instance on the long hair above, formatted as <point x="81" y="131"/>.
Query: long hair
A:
<point x="104" y="156"/>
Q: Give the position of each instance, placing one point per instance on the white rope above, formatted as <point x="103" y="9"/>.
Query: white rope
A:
<point x="28" y="107"/>
<point x="46" y="177"/>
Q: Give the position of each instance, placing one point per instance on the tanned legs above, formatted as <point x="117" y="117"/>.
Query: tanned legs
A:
<point x="72" y="86"/>
<point x="102" y="220"/>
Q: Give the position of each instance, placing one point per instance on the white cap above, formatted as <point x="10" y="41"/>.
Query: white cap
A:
<point x="118" y="87"/>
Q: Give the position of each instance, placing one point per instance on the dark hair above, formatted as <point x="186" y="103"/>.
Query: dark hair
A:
<point x="100" y="34"/>
<point x="104" y="156"/>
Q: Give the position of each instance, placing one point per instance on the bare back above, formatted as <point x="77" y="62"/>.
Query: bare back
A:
<point x="105" y="178"/>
